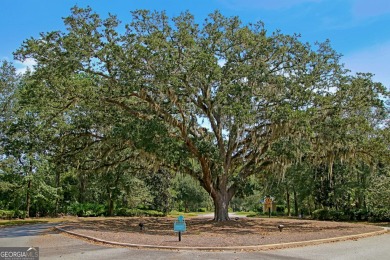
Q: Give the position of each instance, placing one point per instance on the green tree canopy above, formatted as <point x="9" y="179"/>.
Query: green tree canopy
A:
<point x="219" y="101"/>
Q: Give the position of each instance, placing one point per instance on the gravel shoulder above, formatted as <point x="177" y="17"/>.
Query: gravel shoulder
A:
<point x="204" y="232"/>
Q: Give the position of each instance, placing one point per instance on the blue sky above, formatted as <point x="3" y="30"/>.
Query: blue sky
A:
<point x="359" y="29"/>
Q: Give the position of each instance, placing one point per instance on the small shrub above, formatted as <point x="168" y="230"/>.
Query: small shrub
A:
<point x="321" y="214"/>
<point x="87" y="209"/>
<point x="329" y="214"/>
<point x="133" y="212"/>
<point x="138" y="213"/>
<point x="377" y="215"/>
<point x="6" y="214"/>
<point x="120" y="211"/>
<point x="359" y="214"/>
<point x="280" y="209"/>
<point x="19" y="213"/>
<point x="273" y="213"/>
<point x="153" y="213"/>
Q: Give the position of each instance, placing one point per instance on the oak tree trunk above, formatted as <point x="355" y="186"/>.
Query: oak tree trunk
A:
<point x="219" y="190"/>
<point x="221" y="205"/>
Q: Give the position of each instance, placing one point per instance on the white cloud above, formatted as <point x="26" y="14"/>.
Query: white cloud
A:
<point x="265" y="4"/>
<point x="21" y="67"/>
<point x="374" y="59"/>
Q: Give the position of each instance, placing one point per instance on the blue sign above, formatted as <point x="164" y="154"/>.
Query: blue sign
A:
<point x="179" y="225"/>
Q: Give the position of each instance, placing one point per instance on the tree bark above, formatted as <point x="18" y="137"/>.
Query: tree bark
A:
<point x="295" y="203"/>
<point x="288" y="201"/>
<point x="28" y="194"/>
<point x="221" y="205"/>
<point x="28" y="199"/>
<point x="110" y="201"/>
<point x="82" y="180"/>
<point x="58" y="192"/>
<point x="110" y="204"/>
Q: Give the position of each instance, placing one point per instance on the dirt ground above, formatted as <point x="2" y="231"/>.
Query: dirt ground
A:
<point x="204" y="232"/>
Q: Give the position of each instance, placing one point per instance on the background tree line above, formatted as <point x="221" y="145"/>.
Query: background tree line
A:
<point x="110" y="119"/>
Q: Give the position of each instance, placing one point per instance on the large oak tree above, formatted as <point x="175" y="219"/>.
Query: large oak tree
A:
<point x="220" y="101"/>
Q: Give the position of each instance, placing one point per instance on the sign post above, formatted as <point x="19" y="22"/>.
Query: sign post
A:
<point x="179" y="226"/>
<point x="268" y="204"/>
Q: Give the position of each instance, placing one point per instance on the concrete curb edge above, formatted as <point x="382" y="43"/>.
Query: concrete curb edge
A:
<point x="230" y="248"/>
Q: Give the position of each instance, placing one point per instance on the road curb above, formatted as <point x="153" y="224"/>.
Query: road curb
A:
<point x="230" y="248"/>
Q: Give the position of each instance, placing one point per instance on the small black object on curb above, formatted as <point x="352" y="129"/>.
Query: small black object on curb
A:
<point x="280" y="227"/>
<point x="141" y="226"/>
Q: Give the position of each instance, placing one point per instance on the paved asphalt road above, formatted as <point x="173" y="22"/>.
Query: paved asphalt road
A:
<point x="53" y="245"/>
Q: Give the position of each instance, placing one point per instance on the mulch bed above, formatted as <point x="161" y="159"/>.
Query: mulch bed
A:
<point x="203" y="232"/>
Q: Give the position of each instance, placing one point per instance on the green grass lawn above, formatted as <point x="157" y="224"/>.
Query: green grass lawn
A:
<point x="175" y="214"/>
<point x="18" y="222"/>
<point x="27" y="221"/>
<point x="245" y="213"/>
